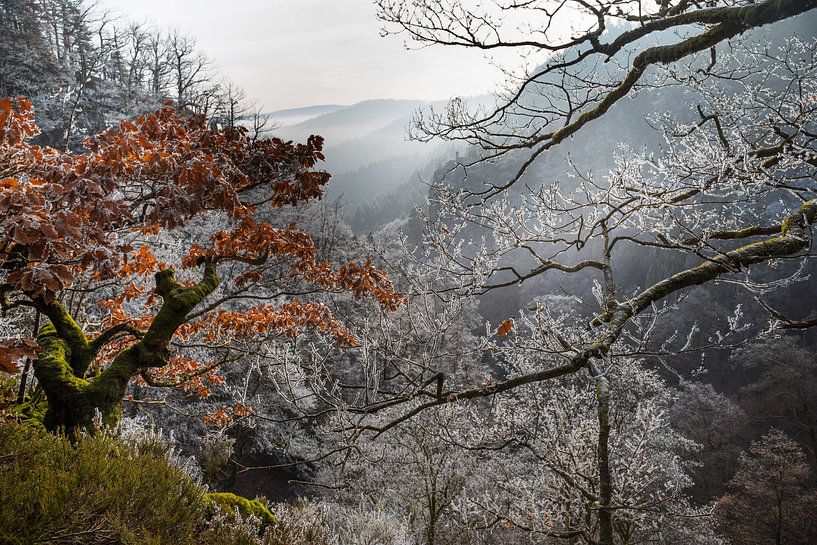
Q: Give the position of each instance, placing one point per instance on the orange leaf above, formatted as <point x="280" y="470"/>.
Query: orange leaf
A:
<point x="505" y="328"/>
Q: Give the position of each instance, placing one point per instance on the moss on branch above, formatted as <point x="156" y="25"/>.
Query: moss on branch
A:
<point x="228" y="503"/>
<point x="179" y="300"/>
<point x="66" y="354"/>
<point x="72" y="400"/>
<point x="793" y="238"/>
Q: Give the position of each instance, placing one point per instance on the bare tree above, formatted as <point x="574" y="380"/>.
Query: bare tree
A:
<point x="574" y="41"/>
<point x="158" y="70"/>
<point x="234" y="105"/>
<point x="136" y="39"/>
<point x="189" y="70"/>
<point x="768" y="501"/>
<point x="727" y="194"/>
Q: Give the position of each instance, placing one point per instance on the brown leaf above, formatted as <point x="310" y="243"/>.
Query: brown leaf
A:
<point x="505" y="328"/>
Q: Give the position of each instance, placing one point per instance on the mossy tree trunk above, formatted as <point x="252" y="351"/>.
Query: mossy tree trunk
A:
<point x="67" y="355"/>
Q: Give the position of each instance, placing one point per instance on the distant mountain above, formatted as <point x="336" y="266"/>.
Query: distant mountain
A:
<point x="381" y="142"/>
<point x="293" y="116"/>
<point x="367" y="147"/>
<point x="347" y="122"/>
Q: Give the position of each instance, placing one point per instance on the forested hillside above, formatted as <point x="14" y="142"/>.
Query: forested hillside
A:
<point x="588" y="317"/>
<point x="87" y="70"/>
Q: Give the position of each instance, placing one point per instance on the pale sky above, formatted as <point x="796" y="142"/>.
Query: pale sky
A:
<point x="292" y="53"/>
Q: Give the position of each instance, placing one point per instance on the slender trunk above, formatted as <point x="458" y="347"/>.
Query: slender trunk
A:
<point x="778" y="530"/>
<point x="603" y="457"/>
<point x="21" y="394"/>
<point x="69" y="124"/>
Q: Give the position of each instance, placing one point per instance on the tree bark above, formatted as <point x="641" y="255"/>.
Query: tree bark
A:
<point x="603" y="457"/>
<point x="21" y="394"/>
<point x="66" y="355"/>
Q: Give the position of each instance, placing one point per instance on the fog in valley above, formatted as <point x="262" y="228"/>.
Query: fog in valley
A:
<point x="429" y="272"/>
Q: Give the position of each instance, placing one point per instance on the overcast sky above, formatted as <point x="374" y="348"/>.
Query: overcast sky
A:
<point x="292" y="53"/>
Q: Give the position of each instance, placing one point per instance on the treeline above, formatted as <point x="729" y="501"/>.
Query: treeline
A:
<point x="85" y="70"/>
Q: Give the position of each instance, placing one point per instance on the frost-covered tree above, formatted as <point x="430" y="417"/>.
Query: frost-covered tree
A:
<point x="540" y="464"/>
<point x="417" y="472"/>
<point x="578" y="448"/>
<point x="718" y="425"/>
<point x="724" y="193"/>
<point x="727" y="194"/>
<point x="26" y="67"/>
<point x="86" y="71"/>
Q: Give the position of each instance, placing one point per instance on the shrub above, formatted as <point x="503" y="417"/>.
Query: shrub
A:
<point x="96" y="491"/>
<point x="104" y="490"/>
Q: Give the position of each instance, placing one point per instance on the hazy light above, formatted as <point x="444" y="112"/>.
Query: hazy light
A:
<point x="290" y="53"/>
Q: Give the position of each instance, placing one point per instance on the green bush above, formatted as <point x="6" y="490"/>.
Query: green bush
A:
<point x="102" y="490"/>
<point x="30" y="412"/>
<point x="97" y="491"/>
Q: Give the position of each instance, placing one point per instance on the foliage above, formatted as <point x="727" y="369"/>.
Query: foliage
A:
<point x="8" y="386"/>
<point x="30" y="412"/>
<point x="101" y="490"/>
<point x="90" y="219"/>
<point x="95" y="491"/>
<point x="214" y="453"/>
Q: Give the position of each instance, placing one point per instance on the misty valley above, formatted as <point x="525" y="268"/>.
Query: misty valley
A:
<point x="280" y="296"/>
